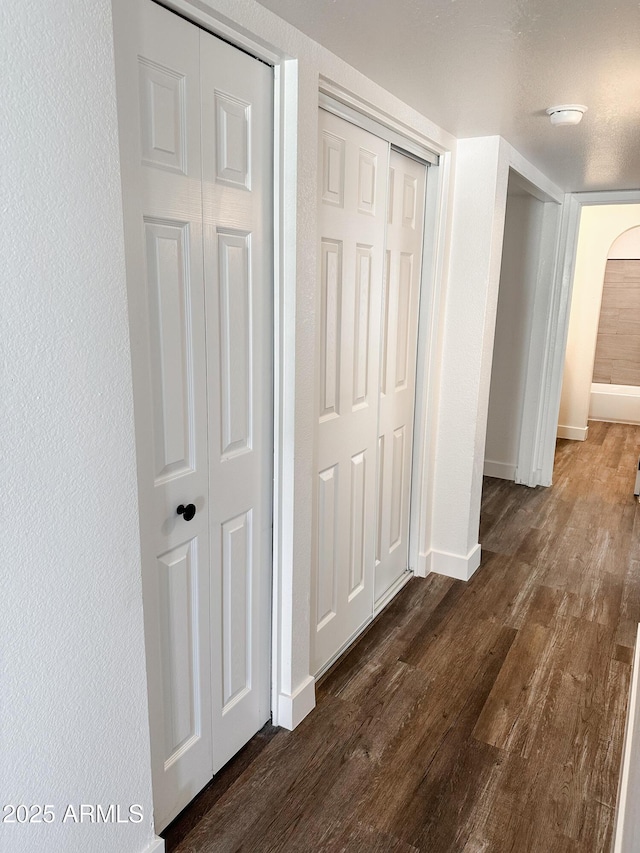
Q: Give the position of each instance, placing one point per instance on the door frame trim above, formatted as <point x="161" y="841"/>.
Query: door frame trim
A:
<point x="430" y="332"/>
<point x="350" y="106"/>
<point x="328" y="101"/>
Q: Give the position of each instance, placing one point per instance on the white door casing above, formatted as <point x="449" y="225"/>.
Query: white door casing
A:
<point x="197" y="187"/>
<point x="353" y="168"/>
<point x="403" y="262"/>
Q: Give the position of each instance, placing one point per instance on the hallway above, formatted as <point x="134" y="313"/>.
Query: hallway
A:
<point x="486" y="716"/>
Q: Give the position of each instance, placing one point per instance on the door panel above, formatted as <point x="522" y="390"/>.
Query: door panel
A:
<point x="178" y="588"/>
<point x="358" y="548"/>
<point x="405" y="212"/>
<point x="196" y="158"/>
<point x="236" y="377"/>
<point x="331" y="297"/>
<point x="237" y="157"/>
<point x="236" y="589"/>
<point x="352" y="208"/>
<point x="172" y="343"/>
<point x="326" y="585"/>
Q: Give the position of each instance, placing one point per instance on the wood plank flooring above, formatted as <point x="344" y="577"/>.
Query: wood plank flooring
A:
<point x="486" y="716"/>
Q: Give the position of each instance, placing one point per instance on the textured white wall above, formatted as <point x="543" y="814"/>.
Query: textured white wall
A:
<point x="600" y="225"/>
<point x="74" y="717"/>
<point x="476" y="245"/>
<point x="516" y="298"/>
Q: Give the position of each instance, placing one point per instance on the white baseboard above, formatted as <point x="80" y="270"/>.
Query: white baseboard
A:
<point x="454" y="565"/>
<point x="156" y="846"/>
<point x="574" y="433"/>
<point x="292" y="709"/>
<point x="626" y="838"/>
<point x="502" y="470"/>
<point x="423" y="566"/>
<point x="531" y="481"/>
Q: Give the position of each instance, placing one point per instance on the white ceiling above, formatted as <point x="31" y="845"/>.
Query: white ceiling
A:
<point x="484" y="67"/>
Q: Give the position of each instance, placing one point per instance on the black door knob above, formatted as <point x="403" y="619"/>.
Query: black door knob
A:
<point x="187" y="512"/>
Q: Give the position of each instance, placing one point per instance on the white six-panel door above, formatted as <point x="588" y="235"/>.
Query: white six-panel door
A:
<point x="371" y="204"/>
<point x="403" y="262"/>
<point x="196" y="132"/>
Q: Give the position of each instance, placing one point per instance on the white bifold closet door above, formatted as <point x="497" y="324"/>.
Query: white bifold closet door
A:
<point x="371" y="203"/>
<point x="196" y="125"/>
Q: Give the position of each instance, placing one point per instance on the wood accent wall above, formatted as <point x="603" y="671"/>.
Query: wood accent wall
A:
<point x="618" y="348"/>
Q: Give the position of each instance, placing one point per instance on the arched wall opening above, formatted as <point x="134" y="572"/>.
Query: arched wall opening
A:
<point x="615" y="388"/>
<point x="601" y="227"/>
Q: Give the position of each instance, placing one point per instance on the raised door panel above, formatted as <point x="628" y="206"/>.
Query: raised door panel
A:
<point x="352" y="167"/>
<point x="235" y="336"/>
<point x="172" y="357"/>
<point x="380" y="492"/>
<point x="163" y="116"/>
<point x="398" y="496"/>
<point x="179" y="573"/>
<point x="332" y="172"/>
<point x="237" y="570"/>
<point x="404" y="285"/>
<point x="326" y="580"/>
<point x="233" y="140"/>
<point x="405" y="214"/>
<point x="361" y="326"/>
<point x="237" y="129"/>
<point x="367" y="181"/>
<point x="359" y="531"/>
<point x="330" y="323"/>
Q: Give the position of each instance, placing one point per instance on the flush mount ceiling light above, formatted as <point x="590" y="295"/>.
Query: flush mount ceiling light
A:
<point x="566" y="114"/>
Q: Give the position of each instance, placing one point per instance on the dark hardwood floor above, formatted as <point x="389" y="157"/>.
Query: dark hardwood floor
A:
<point x="486" y="716"/>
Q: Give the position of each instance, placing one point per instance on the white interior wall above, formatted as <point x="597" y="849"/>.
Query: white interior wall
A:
<point x="476" y="246"/>
<point x="516" y="299"/>
<point x="74" y="707"/>
<point x="600" y="225"/>
<point x="480" y="194"/>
